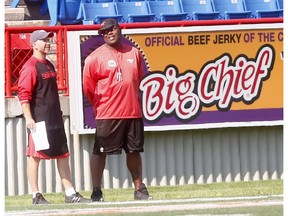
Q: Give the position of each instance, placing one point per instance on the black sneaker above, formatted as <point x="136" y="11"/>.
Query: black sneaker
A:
<point x="39" y="199"/>
<point x="97" y="195"/>
<point x="76" y="198"/>
<point x="142" y="193"/>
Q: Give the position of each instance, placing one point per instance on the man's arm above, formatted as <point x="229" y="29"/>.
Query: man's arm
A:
<point x="30" y="123"/>
<point x="89" y="80"/>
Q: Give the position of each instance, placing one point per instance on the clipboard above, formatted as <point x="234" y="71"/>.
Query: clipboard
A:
<point x="39" y="136"/>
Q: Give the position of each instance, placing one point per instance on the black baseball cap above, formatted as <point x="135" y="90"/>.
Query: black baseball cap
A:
<point x="106" y="24"/>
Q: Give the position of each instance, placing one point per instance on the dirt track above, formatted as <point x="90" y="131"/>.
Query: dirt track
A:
<point x="156" y="206"/>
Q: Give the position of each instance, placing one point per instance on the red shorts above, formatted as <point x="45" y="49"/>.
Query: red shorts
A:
<point x="58" y="146"/>
<point x="113" y="135"/>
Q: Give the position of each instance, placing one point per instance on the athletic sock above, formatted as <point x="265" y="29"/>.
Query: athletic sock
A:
<point x="34" y="194"/>
<point x="70" y="191"/>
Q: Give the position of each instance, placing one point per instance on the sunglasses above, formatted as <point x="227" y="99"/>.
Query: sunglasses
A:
<point x="112" y="28"/>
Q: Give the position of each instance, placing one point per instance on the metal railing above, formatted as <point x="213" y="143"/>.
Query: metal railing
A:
<point x="18" y="50"/>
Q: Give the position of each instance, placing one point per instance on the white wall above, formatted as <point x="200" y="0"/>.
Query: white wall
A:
<point x="170" y="158"/>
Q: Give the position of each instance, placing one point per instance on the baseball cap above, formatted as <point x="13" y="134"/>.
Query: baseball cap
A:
<point x="39" y="35"/>
<point x="106" y="24"/>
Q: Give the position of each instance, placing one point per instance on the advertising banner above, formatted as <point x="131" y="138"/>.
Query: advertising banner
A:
<point x="198" y="77"/>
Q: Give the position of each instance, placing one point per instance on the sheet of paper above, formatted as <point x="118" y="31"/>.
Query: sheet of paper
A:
<point x="39" y="136"/>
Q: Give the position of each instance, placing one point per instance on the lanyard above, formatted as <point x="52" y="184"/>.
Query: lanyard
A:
<point x="119" y="76"/>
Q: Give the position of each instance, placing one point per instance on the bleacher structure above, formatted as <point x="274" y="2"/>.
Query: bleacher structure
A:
<point x="67" y="12"/>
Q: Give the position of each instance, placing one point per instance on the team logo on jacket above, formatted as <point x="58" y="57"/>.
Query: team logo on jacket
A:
<point x="111" y="63"/>
<point x="130" y="60"/>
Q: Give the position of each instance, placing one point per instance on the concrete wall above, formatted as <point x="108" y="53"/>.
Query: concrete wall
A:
<point x="25" y="15"/>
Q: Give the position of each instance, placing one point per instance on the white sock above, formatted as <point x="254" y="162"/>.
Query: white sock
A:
<point x="34" y="194"/>
<point x="70" y="191"/>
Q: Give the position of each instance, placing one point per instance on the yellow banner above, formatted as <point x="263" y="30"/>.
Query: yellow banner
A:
<point x="194" y="50"/>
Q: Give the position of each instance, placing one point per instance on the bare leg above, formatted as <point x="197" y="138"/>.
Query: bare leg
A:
<point x="97" y="165"/>
<point x="71" y="196"/>
<point x="134" y="164"/>
<point x="65" y="172"/>
<point x="32" y="172"/>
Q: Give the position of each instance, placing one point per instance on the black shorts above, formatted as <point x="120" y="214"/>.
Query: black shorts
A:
<point x="113" y="135"/>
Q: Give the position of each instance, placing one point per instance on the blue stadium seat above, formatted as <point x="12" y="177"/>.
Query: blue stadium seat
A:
<point x="95" y="13"/>
<point x="69" y="12"/>
<point x="96" y="1"/>
<point x="264" y="8"/>
<point x="280" y="4"/>
<point x="134" y="11"/>
<point x="104" y="1"/>
<point x="130" y="0"/>
<point x="200" y="10"/>
<point x="232" y="9"/>
<point x="167" y="10"/>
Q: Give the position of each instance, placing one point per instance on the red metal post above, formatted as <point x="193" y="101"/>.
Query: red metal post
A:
<point x="8" y="72"/>
<point x="60" y="59"/>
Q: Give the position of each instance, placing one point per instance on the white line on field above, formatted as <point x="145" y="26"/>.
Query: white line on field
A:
<point x="171" y="205"/>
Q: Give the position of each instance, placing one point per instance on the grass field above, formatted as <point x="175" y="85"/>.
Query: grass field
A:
<point x="263" y="198"/>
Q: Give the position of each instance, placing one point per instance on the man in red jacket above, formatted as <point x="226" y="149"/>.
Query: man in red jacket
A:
<point x="111" y="78"/>
<point x="38" y="95"/>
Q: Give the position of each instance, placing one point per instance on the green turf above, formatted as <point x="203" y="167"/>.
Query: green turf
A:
<point x="220" y="190"/>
